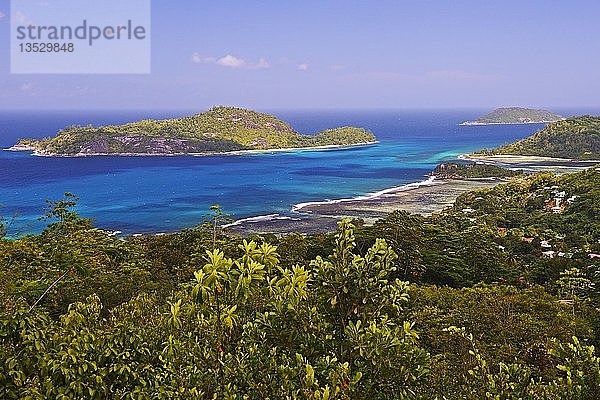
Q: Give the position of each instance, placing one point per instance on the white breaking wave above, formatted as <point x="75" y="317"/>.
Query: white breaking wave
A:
<point x="260" y="218"/>
<point x="370" y="196"/>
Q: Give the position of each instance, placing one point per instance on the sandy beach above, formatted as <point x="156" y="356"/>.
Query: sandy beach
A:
<point x="533" y="163"/>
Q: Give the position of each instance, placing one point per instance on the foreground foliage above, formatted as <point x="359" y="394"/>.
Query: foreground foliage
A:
<point x="243" y="327"/>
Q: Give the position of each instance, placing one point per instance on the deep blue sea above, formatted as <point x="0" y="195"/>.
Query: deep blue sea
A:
<point x="164" y="194"/>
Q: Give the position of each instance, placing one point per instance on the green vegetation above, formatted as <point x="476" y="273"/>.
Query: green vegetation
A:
<point x="516" y="115"/>
<point x="472" y="171"/>
<point x="218" y="130"/>
<point x="575" y="138"/>
<point x="463" y="304"/>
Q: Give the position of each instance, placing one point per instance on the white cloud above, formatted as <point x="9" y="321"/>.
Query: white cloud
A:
<point x="2" y="15"/>
<point x="262" y="64"/>
<point x="198" y="59"/>
<point x="230" y="61"/>
<point x="303" y="67"/>
<point x="337" y="67"/>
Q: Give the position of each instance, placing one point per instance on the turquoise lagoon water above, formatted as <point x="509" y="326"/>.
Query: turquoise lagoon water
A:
<point x="163" y="194"/>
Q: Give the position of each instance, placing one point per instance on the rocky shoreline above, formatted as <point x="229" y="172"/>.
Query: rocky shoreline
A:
<point x="39" y="153"/>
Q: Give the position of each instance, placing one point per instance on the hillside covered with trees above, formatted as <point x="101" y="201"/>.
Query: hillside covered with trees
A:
<point x="456" y="170"/>
<point x="221" y="129"/>
<point x="576" y="138"/>
<point x="496" y="297"/>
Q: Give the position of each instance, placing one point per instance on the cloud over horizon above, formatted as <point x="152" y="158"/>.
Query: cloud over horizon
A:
<point x="230" y="61"/>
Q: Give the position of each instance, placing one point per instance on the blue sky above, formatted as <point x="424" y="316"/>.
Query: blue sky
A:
<point x="341" y="54"/>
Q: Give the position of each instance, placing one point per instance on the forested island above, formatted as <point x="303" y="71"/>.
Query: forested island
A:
<point x="516" y="115"/>
<point x="219" y="130"/>
<point x="576" y="138"/>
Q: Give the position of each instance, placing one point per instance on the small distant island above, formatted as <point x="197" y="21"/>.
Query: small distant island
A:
<point x="576" y="138"/>
<point x="217" y="131"/>
<point x="516" y="115"/>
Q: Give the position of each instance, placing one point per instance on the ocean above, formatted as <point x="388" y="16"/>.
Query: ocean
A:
<point x="164" y="194"/>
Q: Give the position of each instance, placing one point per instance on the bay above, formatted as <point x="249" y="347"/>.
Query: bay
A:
<point x="164" y="194"/>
